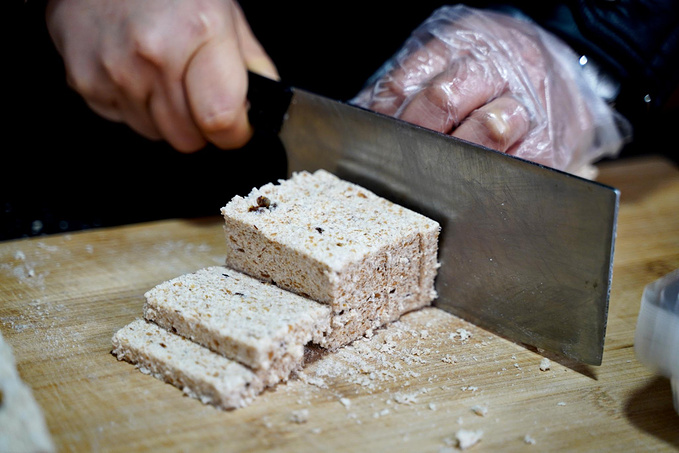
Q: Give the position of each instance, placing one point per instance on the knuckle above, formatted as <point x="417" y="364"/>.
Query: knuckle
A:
<point x="204" y="21"/>
<point x="501" y="123"/>
<point x="81" y="83"/>
<point x="148" y="45"/>
<point x="115" y="68"/>
<point x="88" y="83"/>
<point x="158" y="45"/>
<point x="443" y="98"/>
<point x="495" y="126"/>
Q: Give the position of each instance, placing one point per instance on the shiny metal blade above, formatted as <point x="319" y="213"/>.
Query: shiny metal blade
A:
<point x="526" y="251"/>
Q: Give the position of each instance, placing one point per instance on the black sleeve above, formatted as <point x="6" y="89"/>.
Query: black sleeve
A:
<point x="636" y="42"/>
<point x="633" y="45"/>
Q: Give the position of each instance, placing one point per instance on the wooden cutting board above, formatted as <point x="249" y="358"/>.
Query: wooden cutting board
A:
<point x="410" y="387"/>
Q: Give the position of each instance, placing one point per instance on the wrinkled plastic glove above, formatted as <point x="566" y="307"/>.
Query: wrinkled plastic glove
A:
<point x="499" y="81"/>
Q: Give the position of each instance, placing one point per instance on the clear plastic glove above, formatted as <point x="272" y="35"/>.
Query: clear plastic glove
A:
<point x="499" y="81"/>
<point x="173" y="70"/>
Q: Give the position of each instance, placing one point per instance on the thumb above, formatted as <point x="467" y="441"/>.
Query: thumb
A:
<point x="216" y="86"/>
<point x="256" y="58"/>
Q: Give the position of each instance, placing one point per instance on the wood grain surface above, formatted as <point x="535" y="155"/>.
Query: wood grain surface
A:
<point x="410" y="387"/>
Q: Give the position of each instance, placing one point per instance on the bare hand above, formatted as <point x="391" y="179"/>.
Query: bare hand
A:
<point x="171" y="69"/>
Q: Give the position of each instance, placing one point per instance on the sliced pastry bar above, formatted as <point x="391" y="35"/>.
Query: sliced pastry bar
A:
<point x="335" y="242"/>
<point x="197" y="371"/>
<point x="253" y="322"/>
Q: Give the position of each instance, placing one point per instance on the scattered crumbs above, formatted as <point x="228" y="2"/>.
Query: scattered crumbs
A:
<point x="560" y="403"/>
<point x="381" y="413"/>
<point x="267" y="423"/>
<point x="312" y="380"/>
<point x="480" y="410"/>
<point x="467" y="438"/>
<point x="48" y="248"/>
<point x="353" y="416"/>
<point x="545" y="364"/>
<point x="470" y="388"/>
<point x="432" y="406"/>
<point x="168" y="248"/>
<point x="464" y="334"/>
<point x="411" y="374"/>
<point x="19" y="255"/>
<point x="316" y="431"/>
<point x="449" y="443"/>
<point x="528" y="440"/>
<point x="449" y="359"/>
<point x="346" y="402"/>
<point x="300" y="416"/>
<point x="405" y="398"/>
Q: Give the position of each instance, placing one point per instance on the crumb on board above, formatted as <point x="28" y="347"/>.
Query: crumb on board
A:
<point x="300" y="416"/>
<point x="468" y="438"/>
<point x="381" y="413"/>
<point x="479" y="410"/>
<point x="462" y="333"/>
<point x="545" y="364"/>
<point x="405" y="398"/>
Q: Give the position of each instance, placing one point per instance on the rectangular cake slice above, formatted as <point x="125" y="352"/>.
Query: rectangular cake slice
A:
<point x="247" y="320"/>
<point x="337" y="243"/>
<point x="199" y="372"/>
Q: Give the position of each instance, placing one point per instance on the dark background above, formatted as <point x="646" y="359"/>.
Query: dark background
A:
<point x="64" y="168"/>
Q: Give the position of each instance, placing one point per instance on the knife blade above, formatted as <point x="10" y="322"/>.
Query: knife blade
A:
<point x="526" y="251"/>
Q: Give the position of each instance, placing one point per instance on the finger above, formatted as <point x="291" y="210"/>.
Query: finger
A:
<point x="498" y="125"/>
<point x="256" y="59"/>
<point x="450" y="96"/>
<point x="119" y="109"/>
<point x="420" y="65"/>
<point x="159" y="61"/>
<point x="173" y="118"/>
<point x="106" y="110"/>
<point x="124" y="90"/>
<point x="197" y="90"/>
<point x="216" y="87"/>
<point x="136" y="114"/>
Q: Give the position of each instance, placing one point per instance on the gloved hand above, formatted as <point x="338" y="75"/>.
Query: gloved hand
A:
<point x="499" y="81"/>
<point x="173" y="70"/>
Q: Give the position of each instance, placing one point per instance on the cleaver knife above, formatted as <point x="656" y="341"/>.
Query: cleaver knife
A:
<point x="526" y="251"/>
